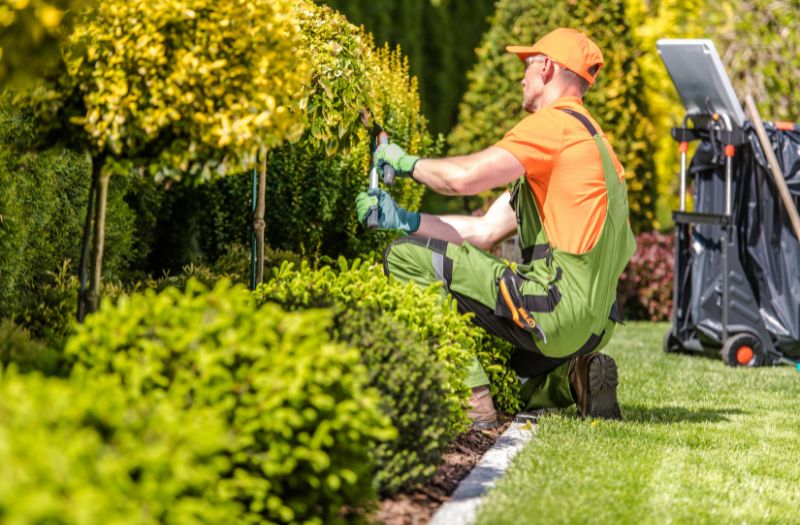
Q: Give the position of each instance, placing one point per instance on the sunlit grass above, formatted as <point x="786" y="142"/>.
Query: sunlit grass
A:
<point x="700" y="443"/>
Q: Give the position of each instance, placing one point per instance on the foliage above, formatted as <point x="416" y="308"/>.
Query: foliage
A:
<point x="16" y="346"/>
<point x="303" y="424"/>
<point x="412" y="384"/>
<point x="42" y="212"/>
<point x="493" y="102"/>
<point x="31" y="32"/>
<point x="439" y="39"/>
<point x="80" y="451"/>
<point x="310" y="198"/>
<point x="187" y="87"/>
<point x="450" y="336"/>
<point x="310" y="194"/>
<point x="759" y="43"/>
<point x="651" y="21"/>
<point x="408" y="376"/>
<point x="341" y="84"/>
<point x="645" y="287"/>
<point x="47" y="307"/>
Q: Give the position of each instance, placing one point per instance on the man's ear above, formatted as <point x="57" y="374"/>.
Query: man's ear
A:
<point x="548" y="70"/>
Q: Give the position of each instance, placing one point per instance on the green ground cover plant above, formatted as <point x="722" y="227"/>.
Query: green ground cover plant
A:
<point x="700" y="443"/>
<point x="303" y="423"/>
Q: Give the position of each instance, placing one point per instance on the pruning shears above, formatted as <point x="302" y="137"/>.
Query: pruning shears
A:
<point x="377" y="136"/>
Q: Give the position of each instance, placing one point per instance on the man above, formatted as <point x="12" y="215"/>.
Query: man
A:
<point x="567" y="202"/>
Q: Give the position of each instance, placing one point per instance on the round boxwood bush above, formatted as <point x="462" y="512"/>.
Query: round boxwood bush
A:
<point x="303" y="423"/>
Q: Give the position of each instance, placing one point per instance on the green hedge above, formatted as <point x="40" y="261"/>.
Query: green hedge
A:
<point x="82" y="452"/>
<point x="493" y="102"/>
<point x="43" y="194"/>
<point x="302" y="422"/>
<point x="451" y="337"/>
<point x="16" y="346"/>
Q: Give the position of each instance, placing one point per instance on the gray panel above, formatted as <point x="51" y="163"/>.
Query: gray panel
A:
<point x="699" y="77"/>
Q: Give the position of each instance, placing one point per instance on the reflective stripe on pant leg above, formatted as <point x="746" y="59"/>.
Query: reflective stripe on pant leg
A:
<point x="418" y="259"/>
<point x="424" y="261"/>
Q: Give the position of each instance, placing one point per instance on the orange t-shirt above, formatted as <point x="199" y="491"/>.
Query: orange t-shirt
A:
<point x="564" y="168"/>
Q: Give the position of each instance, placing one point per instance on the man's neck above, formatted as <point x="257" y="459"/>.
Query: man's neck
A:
<point x="550" y="96"/>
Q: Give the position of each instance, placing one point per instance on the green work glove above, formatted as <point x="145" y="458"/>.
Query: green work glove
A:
<point x="396" y="157"/>
<point x="390" y="215"/>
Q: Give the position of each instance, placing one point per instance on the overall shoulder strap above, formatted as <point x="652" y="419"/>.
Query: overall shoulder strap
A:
<point x="583" y="119"/>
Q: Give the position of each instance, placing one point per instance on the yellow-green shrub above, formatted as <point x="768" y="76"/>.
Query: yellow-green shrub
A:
<point x="451" y="337"/>
<point x="82" y="452"/>
<point x="493" y="102"/>
<point x="303" y="425"/>
<point x="402" y="368"/>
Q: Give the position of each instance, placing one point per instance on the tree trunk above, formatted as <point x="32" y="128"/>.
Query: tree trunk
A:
<point x="258" y="219"/>
<point x="101" y="182"/>
<point x="83" y="266"/>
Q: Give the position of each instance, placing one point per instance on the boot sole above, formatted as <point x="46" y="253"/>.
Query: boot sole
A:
<point x="603" y="381"/>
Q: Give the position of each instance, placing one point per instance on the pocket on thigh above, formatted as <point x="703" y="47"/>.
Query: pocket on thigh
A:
<point x="522" y="301"/>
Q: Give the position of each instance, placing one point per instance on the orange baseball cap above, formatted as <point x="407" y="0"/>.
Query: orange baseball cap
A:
<point x="570" y="48"/>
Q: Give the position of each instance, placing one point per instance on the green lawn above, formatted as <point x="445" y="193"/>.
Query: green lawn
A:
<point x="700" y="443"/>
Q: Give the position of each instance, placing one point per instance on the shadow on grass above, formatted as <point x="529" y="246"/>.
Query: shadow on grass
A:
<point x="676" y="414"/>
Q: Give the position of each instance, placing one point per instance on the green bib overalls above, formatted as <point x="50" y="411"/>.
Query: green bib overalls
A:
<point x="554" y="305"/>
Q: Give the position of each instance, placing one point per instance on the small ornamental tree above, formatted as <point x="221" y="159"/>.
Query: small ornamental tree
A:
<point x="335" y="92"/>
<point x="176" y="88"/>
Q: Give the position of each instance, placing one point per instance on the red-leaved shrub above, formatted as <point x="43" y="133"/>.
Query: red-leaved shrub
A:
<point x="645" y="287"/>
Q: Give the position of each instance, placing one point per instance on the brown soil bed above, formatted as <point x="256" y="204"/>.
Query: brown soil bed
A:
<point x="417" y="507"/>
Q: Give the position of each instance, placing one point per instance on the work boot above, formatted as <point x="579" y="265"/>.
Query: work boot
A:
<point x="482" y="412"/>
<point x="593" y="380"/>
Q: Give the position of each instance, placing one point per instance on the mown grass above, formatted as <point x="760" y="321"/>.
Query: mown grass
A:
<point x="700" y="443"/>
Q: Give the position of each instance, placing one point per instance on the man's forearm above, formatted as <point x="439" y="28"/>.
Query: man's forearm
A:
<point x="455" y="229"/>
<point x="470" y="174"/>
<point x="449" y="176"/>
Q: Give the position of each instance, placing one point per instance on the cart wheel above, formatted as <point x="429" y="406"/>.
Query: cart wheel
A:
<point x="670" y="343"/>
<point x="742" y="350"/>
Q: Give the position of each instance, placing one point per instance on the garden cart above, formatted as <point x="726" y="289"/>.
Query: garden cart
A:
<point x="737" y="258"/>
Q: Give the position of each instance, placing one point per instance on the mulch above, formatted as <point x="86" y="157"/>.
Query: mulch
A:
<point x="417" y="507"/>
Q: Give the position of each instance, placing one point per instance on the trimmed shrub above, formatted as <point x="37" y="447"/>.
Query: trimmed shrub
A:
<point x="82" y="452"/>
<point x="412" y="384"/>
<point x="42" y="209"/>
<point x="410" y="380"/>
<point x="303" y="424"/>
<point x="493" y="102"/>
<point x="645" y="287"/>
<point x="450" y="335"/>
